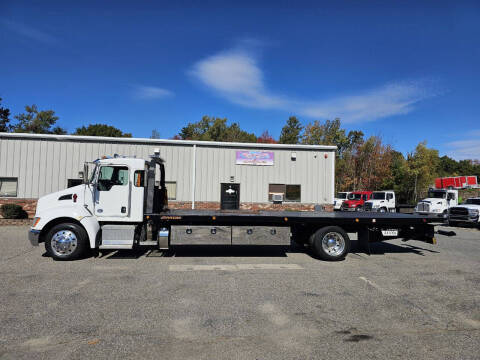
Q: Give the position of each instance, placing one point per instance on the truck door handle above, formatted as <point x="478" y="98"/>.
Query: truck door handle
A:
<point x="123" y="210"/>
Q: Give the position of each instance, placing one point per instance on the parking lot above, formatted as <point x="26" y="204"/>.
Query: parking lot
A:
<point x="406" y="300"/>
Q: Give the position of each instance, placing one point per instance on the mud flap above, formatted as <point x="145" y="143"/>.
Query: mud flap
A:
<point x="367" y="236"/>
<point x="425" y="233"/>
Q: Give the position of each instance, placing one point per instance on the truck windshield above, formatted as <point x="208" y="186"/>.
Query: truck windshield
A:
<point x="355" y="196"/>
<point x="473" y="201"/>
<point x="436" y="194"/>
<point x="378" y="196"/>
<point x="342" y="195"/>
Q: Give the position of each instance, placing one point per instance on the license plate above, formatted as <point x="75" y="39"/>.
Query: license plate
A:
<point x="392" y="232"/>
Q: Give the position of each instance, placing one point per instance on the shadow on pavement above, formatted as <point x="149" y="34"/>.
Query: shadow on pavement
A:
<point x="380" y="248"/>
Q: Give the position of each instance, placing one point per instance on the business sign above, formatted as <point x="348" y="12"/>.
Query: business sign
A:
<point x="245" y="157"/>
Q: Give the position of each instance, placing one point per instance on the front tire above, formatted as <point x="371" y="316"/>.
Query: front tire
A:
<point x="66" y="241"/>
<point x="330" y="243"/>
<point x="359" y="208"/>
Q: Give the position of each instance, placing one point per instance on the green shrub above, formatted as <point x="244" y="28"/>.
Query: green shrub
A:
<point x="13" y="211"/>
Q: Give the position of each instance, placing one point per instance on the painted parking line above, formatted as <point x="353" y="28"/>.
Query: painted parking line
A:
<point x="234" y="267"/>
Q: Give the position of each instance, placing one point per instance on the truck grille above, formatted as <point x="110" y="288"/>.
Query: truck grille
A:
<point x="368" y="206"/>
<point x="423" y="207"/>
<point x="458" y="211"/>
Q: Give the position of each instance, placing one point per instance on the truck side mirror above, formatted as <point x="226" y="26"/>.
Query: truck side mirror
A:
<point x="85" y="174"/>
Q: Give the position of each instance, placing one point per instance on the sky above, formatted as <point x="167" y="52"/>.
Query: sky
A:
<point x="408" y="71"/>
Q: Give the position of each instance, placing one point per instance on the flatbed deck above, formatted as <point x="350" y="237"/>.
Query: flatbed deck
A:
<point x="290" y="218"/>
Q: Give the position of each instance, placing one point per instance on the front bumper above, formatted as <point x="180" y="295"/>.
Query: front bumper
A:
<point x="464" y="218"/>
<point x="439" y="215"/>
<point x="349" y="208"/>
<point x="33" y="236"/>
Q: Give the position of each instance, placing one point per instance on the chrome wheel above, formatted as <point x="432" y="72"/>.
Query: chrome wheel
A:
<point x="333" y="243"/>
<point x="64" y="242"/>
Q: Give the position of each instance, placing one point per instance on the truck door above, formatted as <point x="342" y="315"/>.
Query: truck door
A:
<point x="112" y="193"/>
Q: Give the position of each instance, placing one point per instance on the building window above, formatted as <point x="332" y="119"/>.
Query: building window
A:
<point x="74" y="182"/>
<point x="171" y="189"/>
<point x="8" y="187"/>
<point x="291" y="193"/>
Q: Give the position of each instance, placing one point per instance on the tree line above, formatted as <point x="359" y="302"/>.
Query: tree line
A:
<point x="36" y="121"/>
<point x="362" y="163"/>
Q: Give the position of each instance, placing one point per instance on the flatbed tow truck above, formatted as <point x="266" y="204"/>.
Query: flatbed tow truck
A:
<point x="123" y="204"/>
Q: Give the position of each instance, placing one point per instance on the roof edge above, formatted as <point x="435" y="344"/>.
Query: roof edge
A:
<point x="163" y="141"/>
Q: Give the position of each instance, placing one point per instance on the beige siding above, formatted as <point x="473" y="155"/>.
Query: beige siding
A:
<point x="43" y="165"/>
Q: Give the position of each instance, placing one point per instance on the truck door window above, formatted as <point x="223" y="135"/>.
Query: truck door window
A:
<point x="111" y="176"/>
<point x="139" y="179"/>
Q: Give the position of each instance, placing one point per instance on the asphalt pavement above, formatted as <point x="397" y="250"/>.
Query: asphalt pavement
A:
<point x="407" y="300"/>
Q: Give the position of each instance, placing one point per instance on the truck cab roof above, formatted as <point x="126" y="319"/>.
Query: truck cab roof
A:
<point x="122" y="161"/>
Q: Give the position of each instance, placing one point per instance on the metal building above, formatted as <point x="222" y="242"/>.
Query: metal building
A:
<point x="199" y="174"/>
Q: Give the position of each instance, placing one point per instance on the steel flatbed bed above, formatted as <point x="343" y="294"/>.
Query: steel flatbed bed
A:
<point x="304" y="225"/>
<point x="289" y="218"/>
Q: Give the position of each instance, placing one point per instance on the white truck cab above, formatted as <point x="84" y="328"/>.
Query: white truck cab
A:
<point x="111" y="199"/>
<point x="340" y="197"/>
<point x="468" y="212"/>
<point x="381" y="201"/>
<point x="438" y="202"/>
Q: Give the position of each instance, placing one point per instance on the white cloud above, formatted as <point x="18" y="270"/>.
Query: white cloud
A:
<point x="29" y="32"/>
<point x="150" y="92"/>
<point x="465" y="149"/>
<point x="388" y="100"/>
<point x="236" y="76"/>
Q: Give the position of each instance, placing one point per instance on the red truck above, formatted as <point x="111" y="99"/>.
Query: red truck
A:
<point x="356" y="201"/>
<point x="456" y="182"/>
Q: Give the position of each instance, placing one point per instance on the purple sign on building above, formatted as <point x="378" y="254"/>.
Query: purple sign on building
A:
<point x="247" y="157"/>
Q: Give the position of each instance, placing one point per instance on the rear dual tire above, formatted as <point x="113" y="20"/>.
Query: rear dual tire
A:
<point x="330" y="243"/>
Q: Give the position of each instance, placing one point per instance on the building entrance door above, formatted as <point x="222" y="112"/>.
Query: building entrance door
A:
<point x="230" y="196"/>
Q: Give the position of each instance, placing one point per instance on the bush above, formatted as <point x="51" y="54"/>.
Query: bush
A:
<point x="13" y="211"/>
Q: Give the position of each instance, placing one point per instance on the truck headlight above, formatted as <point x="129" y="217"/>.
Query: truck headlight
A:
<point x="436" y="210"/>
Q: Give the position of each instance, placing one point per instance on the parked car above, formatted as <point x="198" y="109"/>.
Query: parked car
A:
<point x="381" y="201"/>
<point x="356" y="201"/>
<point x="339" y="199"/>
<point x="468" y="212"/>
<point x="437" y="202"/>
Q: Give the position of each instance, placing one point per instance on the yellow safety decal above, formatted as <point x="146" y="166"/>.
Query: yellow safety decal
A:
<point x="170" y="217"/>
